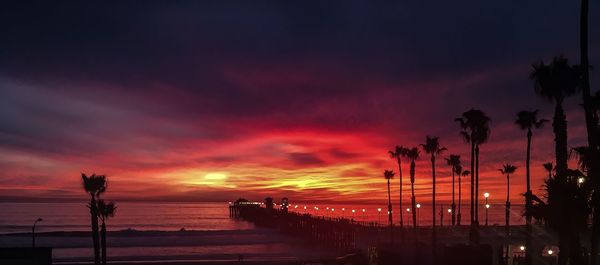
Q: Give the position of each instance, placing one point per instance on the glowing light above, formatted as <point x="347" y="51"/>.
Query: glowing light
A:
<point x="487" y="206"/>
<point x="408" y="209"/>
<point x="363" y="210"/>
<point x="486" y="195"/>
<point x="449" y="210"/>
<point x="522" y="248"/>
<point x="332" y="209"/>
<point x="379" y="209"/>
<point x="304" y="207"/>
<point x="343" y="209"/>
<point x="580" y="180"/>
<point x="550" y="251"/>
<point x="418" y="205"/>
<point x="353" y="211"/>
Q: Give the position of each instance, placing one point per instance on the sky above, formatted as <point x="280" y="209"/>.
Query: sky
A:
<point x="211" y="101"/>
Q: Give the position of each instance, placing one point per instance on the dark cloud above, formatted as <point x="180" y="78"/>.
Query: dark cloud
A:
<point x="305" y="159"/>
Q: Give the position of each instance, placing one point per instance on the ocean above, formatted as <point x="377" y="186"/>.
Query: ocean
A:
<point x="209" y="231"/>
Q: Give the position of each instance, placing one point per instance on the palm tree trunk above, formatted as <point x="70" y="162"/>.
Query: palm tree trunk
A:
<point x="103" y="234"/>
<point x="95" y="238"/>
<point x="413" y="199"/>
<point x="559" y="126"/>
<point x="433" y="232"/>
<point x="507" y="204"/>
<point x="477" y="184"/>
<point x="400" y="200"/>
<point x="453" y="207"/>
<point x="529" y="247"/>
<point x="390" y="212"/>
<point x="472" y="212"/>
<point x="458" y="216"/>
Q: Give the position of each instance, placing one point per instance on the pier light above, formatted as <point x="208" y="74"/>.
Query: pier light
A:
<point x="363" y="210"/>
<point x="379" y="209"/>
<point x="522" y="248"/>
<point x="304" y="207"/>
<point x="353" y="211"/>
<point x="389" y="212"/>
<point x="296" y="207"/>
<point x="486" y="195"/>
<point x="408" y="209"/>
<point x="343" y="209"/>
<point x="487" y="206"/>
<point x="449" y="210"/>
<point x="580" y="180"/>
<point x="332" y="209"/>
<point x="550" y="252"/>
<point x="327" y="208"/>
<point x="418" y="205"/>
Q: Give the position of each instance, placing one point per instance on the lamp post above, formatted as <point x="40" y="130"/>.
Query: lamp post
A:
<point x="353" y="211"/>
<point x="364" y="218"/>
<point x="418" y="208"/>
<point x="378" y="215"/>
<point x="33" y="231"/>
<point x="343" y="211"/>
<point x="450" y="219"/>
<point x="487" y="206"/>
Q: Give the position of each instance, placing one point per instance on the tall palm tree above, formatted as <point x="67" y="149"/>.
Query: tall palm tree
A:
<point x="413" y="155"/>
<point x="591" y="120"/>
<point x="454" y="162"/>
<point x="397" y="154"/>
<point x="475" y="130"/>
<point x="105" y="210"/>
<point x="549" y="167"/>
<point x="94" y="185"/>
<point x="526" y="120"/>
<point x="389" y="175"/>
<point x="433" y="148"/>
<point x="461" y="174"/>
<point x="556" y="82"/>
<point x="507" y="169"/>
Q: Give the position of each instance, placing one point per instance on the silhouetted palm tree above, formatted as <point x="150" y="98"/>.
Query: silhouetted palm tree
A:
<point x="413" y="155"/>
<point x="475" y="130"/>
<point x="105" y="210"/>
<point x="433" y="148"/>
<point x="549" y="167"/>
<point x="526" y="120"/>
<point x="399" y="152"/>
<point x="454" y="162"/>
<point x="461" y="174"/>
<point x="94" y="185"/>
<point x="389" y="175"/>
<point x="269" y="203"/>
<point x="556" y="82"/>
<point x="507" y="169"/>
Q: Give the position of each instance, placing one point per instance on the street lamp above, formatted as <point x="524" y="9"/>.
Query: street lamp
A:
<point x="33" y="231"/>
<point x="353" y="211"/>
<point x="418" y="208"/>
<point x="487" y="206"/>
<point x="450" y="219"/>
<point x="343" y="211"/>
<point x="364" y="219"/>
<point x="379" y="215"/>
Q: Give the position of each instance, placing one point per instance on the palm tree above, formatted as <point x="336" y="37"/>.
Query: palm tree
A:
<point x="555" y="82"/>
<point x="507" y="169"/>
<point x="454" y="162"/>
<point x="548" y="167"/>
<point x="105" y="210"/>
<point x="475" y="130"/>
<point x="526" y="120"/>
<point x="461" y="174"/>
<point x="413" y="155"/>
<point x="94" y="185"/>
<point x="433" y="148"/>
<point x="389" y="175"/>
<point x="398" y="154"/>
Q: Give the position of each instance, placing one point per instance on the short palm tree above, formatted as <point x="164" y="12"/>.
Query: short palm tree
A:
<point x="389" y="175"/>
<point x="507" y="169"/>
<point x="433" y="148"/>
<point x="398" y="154"/>
<point x="549" y="167"/>
<point x="105" y="210"/>
<point x="94" y="185"/>
<point x="454" y="162"/>
<point x="461" y="175"/>
<point x="413" y="155"/>
<point x="526" y="120"/>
